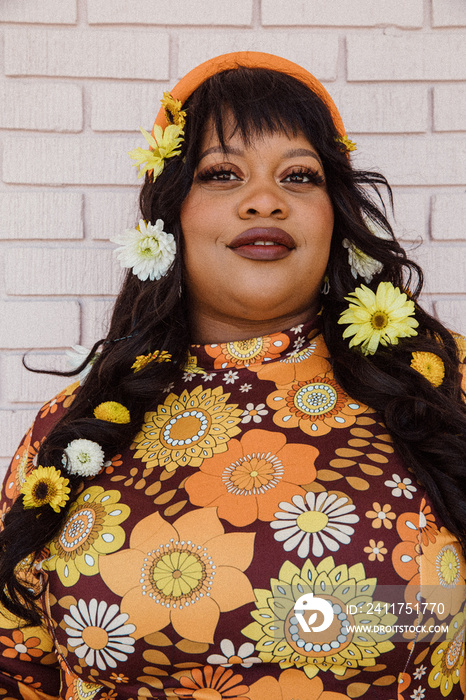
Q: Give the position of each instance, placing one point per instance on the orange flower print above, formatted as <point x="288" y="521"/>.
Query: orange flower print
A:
<point x="296" y="366"/>
<point x="242" y="353"/>
<point x="218" y="684"/>
<point x="315" y="406"/>
<point x="376" y="550"/>
<point x="20" y="647"/>
<point x="248" y="481"/>
<point x="292" y="684"/>
<point x="66" y="397"/>
<point x="119" y="678"/>
<point x="443" y="573"/>
<point x="184" y="574"/>
<point x="448" y="658"/>
<point x="381" y="516"/>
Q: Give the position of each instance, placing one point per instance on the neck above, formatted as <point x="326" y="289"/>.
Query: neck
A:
<point x="209" y="330"/>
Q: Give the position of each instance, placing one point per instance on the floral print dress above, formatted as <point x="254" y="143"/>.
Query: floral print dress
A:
<point x="260" y="540"/>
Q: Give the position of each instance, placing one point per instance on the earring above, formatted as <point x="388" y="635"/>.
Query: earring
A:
<point x="325" y="286"/>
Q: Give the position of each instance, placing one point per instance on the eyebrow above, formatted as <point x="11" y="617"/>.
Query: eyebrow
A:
<point x="292" y="153"/>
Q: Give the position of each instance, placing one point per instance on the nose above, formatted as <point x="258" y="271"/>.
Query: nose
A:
<point x="262" y="199"/>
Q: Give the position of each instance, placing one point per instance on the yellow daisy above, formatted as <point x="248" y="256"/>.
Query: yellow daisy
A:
<point x="430" y="366"/>
<point x="112" y="412"/>
<point x="382" y="317"/>
<point x="45" y="486"/>
<point x="143" y="360"/>
<point x="173" y="111"/>
<point x="164" y="143"/>
<point x="346" y="143"/>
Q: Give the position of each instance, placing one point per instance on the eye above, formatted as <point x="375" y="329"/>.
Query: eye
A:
<point x="304" y="176"/>
<point x="218" y="174"/>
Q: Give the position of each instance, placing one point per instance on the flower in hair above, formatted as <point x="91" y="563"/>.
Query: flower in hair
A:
<point x="76" y="357"/>
<point x="112" y="412"/>
<point x="430" y="366"/>
<point x="147" y="249"/>
<point x="346" y="144"/>
<point x="378" y="318"/>
<point x="84" y="457"/>
<point x="45" y="486"/>
<point x="164" y="143"/>
<point x="173" y="112"/>
<point x="361" y="263"/>
<point x="143" y="360"/>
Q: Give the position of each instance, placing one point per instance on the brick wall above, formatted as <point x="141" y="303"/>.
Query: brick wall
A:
<point x="77" y="78"/>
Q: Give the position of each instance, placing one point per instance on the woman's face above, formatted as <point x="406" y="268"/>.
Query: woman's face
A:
<point x="257" y="226"/>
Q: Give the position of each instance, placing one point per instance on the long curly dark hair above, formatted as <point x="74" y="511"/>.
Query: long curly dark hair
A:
<point x="427" y="424"/>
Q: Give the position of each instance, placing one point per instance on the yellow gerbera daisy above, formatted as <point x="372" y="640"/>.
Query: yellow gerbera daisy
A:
<point x="143" y="360"/>
<point x="173" y="111"/>
<point x="45" y="486"/>
<point x="165" y="143"/>
<point x="430" y="366"/>
<point x="112" y="412"/>
<point x="346" y="143"/>
<point x="383" y="317"/>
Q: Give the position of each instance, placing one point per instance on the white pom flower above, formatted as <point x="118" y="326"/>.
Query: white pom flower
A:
<point x="85" y="457"/>
<point x="76" y="357"/>
<point x="360" y="263"/>
<point x="147" y="249"/>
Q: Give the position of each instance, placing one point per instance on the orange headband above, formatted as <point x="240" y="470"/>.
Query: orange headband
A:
<point x="249" y="59"/>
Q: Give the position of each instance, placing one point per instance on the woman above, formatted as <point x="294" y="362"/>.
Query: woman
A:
<point x="258" y="491"/>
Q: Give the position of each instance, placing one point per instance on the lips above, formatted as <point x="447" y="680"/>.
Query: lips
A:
<point x="263" y="244"/>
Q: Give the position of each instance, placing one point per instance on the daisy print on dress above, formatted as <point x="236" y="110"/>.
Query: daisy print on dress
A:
<point x="314" y="523"/>
<point x="296" y="366"/>
<point x="182" y="574"/>
<point x="230" y="657"/>
<point x="280" y="639"/>
<point x="242" y="353"/>
<point x="99" y="633"/>
<point x="248" y="481"/>
<point x="448" y="657"/>
<point x="314" y="406"/>
<point x="187" y="429"/>
<point x="92" y="529"/>
<point x="401" y="487"/>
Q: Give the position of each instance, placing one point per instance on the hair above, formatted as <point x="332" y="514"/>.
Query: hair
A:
<point x="427" y="424"/>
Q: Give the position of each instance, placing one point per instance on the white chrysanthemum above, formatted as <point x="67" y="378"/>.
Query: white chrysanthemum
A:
<point x="76" y="356"/>
<point x="85" y="457"/>
<point x="360" y="263"/>
<point x="148" y="250"/>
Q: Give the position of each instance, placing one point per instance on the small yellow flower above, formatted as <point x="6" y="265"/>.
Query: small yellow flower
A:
<point x="143" y="360"/>
<point x="45" y="486"/>
<point x="173" y="111"/>
<point x="383" y="317"/>
<point x="165" y="143"/>
<point x="112" y="412"/>
<point x="346" y="143"/>
<point x="430" y="366"/>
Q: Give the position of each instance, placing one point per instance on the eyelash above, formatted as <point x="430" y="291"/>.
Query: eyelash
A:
<point x="314" y="177"/>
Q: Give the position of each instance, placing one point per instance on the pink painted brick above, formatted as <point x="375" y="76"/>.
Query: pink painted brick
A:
<point x="414" y="160"/>
<point x="40" y="11"/>
<point x="69" y="271"/>
<point x="46" y="324"/>
<point x="23" y="386"/>
<point x="14" y="426"/>
<point x="316" y="52"/>
<point x="109" y="213"/>
<point x="452" y="312"/>
<point x="382" y="108"/>
<point x="86" y="54"/>
<point x="364" y="13"/>
<point x="448" y="13"/>
<point x="96" y="321"/>
<point x="195" y="12"/>
<point x="40" y="106"/>
<point x="450" y="107"/>
<point x="448" y="216"/>
<point x="94" y="161"/>
<point x="406" y="56"/>
<point x="411" y="212"/>
<point x="32" y="215"/>
<point x="444" y="267"/>
<point x="125" y="106"/>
